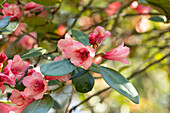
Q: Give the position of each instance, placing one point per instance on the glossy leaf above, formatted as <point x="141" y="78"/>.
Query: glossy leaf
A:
<point x="47" y="2"/>
<point x="57" y="68"/>
<point x="10" y="28"/>
<point x="83" y="83"/>
<point x="40" y="106"/>
<point x="4" y="22"/>
<point x="35" y="52"/>
<point x="94" y="68"/>
<point x="156" y="19"/>
<point x="53" y="82"/>
<point x="81" y="37"/>
<point x="79" y="74"/>
<point x="118" y="82"/>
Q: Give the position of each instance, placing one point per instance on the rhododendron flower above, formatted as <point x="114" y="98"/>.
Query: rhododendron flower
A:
<point x="5" y="108"/>
<point x="79" y="54"/>
<point x="98" y="35"/>
<point x="60" y="78"/>
<point x="12" y="10"/>
<point x="64" y="44"/>
<point x="20" y="100"/>
<point x="33" y="6"/>
<point x="5" y="5"/>
<point x="16" y="68"/>
<point x="28" y="42"/>
<point x="111" y="9"/>
<point x="143" y="25"/>
<point x="3" y="57"/>
<point x="118" y="54"/>
<point x="140" y="8"/>
<point x="5" y="79"/>
<point x="35" y="85"/>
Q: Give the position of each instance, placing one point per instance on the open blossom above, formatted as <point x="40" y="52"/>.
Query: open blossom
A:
<point x="98" y="35"/>
<point x="5" y="79"/>
<point x="64" y="44"/>
<point x="35" y="85"/>
<point x="20" y="100"/>
<point x="5" y="108"/>
<point x="60" y="78"/>
<point x="16" y="68"/>
<point x="13" y="11"/>
<point x="33" y="6"/>
<point x="118" y="54"/>
<point x="111" y="9"/>
<point x="79" y="54"/>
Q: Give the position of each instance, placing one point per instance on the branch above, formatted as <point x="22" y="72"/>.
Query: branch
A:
<point x="97" y="93"/>
<point x="78" y="15"/>
<point x="145" y="68"/>
<point x="118" y="14"/>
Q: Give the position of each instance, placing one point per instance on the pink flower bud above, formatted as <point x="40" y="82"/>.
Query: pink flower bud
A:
<point x="118" y="54"/>
<point x="3" y="57"/>
<point x="111" y="9"/>
<point x="92" y="38"/>
<point x="12" y="10"/>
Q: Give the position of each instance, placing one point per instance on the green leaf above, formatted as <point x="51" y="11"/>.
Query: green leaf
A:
<point x="94" y="68"/>
<point x="84" y="83"/>
<point x="156" y="19"/>
<point x="4" y="22"/>
<point x="81" y="37"/>
<point x="118" y="82"/>
<point x="142" y="1"/>
<point x="53" y="82"/>
<point x="47" y="2"/>
<point x="57" y="68"/>
<point x="35" y="52"/>
<point x="79" y="74"/>
<point x="10" y="28"/>
<point x="40" y="106"/>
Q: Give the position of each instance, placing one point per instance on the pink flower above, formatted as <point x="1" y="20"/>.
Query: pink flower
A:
<point x="5" y="79"/>
<point x="143" y="25"/>
<point x="64" y="44"/>
<point x="118" y="54"/>
<point x="60" y="78"/>
<point x="20" y="100"/>
<point x="28" y="42"/>
<point x="98" y="35"/>
<point x="5" y="108"/>
<point x="36" y="86"/>
<point x="16" y="68"/>
<point x="3" y="57"/>
<point x="111" y="9"/>
<point x="140" y="8"/>
<point x="61" y="30"/>
<point x="5" y="5"/>
<point x="79" y="54"/>
<point x="13" y="11"/>
<point x="33" y="6"/>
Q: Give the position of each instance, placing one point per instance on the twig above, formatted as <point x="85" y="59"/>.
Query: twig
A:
<point x="78" y="15"/>
<point x="97" y="93"/>
<point x="71" y="97"/>
<point x="145" y="68"/>
<point x="118" y="14"/>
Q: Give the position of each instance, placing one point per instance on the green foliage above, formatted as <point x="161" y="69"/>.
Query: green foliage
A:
<point x="83" y="83"/>
<point x="10" y="28"/>
<point x="40" y="106"/>
<point x="4" y="22"/>
<point x="81" y="36"/>
<point x="35" y="52"/>
<point x="53" y="82"/>
<point x="57" y="68"/>
<point x="156" y="19"/>
<point x="119" y="83"/>
<point x="47" y="2"/>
